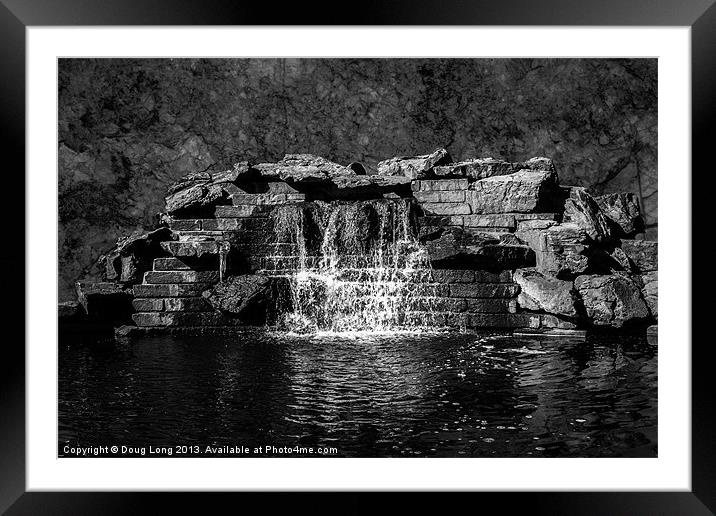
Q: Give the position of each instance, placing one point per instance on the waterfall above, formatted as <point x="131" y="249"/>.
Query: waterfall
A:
<point x="359" y="266"/>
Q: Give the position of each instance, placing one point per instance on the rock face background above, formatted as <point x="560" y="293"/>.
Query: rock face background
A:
<point x="128" y="128"/>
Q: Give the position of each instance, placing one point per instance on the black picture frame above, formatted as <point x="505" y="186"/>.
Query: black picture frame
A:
<point x="17" y="15"/>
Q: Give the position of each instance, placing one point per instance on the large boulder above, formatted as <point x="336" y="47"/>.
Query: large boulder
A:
<point x="201" y="190"/>
<point x="560" y="250"/>
<point x="613" y="300"/>
<point x="300" y="168"/>
<point x="581" y="209"/>
<point x="481" y="168"/>
<point x="650" y="291"/>
<point x="540" y="292"/>
<point x="414" y="167"/>
<point x="127" y="261"/>
<point x="451" y="247"/>
<point x="622" y="209"/>
<point x="643" y="254"/>
<point x="522" y="192"/>
<point x="239" y="294"/>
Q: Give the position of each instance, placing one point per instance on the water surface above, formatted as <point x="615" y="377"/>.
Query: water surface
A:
<point x="392" y="395"/>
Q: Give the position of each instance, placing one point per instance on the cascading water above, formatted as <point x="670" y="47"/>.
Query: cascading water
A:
<point x="358" y="267"/>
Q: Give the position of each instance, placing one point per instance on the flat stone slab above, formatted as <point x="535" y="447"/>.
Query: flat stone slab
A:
<point x="169" y="290"/>
<point x="181" y="277"/>
<point x="525" y="191"/>
<point x="652" y="335"/>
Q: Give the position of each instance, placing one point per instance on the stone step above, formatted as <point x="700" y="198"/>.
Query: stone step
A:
<point x="171" y="290"/>
<point x="181" y="276"/>
<point x="246" y="210"/>
<point x="183" y="319"/>
<point x="198" y="249"/>
<point x="171" y="304"/>
<point x="209" y="262"/>
<point x="484" y="290"/>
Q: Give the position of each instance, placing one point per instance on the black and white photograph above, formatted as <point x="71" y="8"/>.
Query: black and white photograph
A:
<point x="357" y="257"/>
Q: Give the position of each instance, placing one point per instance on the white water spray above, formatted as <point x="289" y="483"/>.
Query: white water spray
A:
<point x="359" y="267"/>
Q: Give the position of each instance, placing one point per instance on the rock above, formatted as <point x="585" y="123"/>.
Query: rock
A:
<point x="451" y="247"/>
<point x="622" y="209"/>
<point x="482" y="168"/>
<point x="105" y="301"/>
<point x="643" y="254"/>
<point x="524" y="191"/>
<point x="202" y="190"/>
<point x="581" y="209"/>
<point x="413" y="167"/>
<point x="652" y="335"/>
<point x="613" y="300"/>
<point x="540" y="163"/>
<point x="539" y="292"/>
<point x="69" y="311"/>
<point x="238" y="293"/>
<point x="560" y="250"/>
<point x="133" y="255"/>
<point x="650" y="291"/>
<point x="303" y="168"/>
<point x="366" y="187"/>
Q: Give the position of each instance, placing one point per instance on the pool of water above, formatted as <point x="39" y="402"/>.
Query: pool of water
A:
<point x="360" y="395"/>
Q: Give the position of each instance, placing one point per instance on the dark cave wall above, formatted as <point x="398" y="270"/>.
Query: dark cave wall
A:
<point x="129" y="127"/>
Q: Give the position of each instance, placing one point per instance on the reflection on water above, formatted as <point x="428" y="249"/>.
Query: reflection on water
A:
<point x="411" y="394"/>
